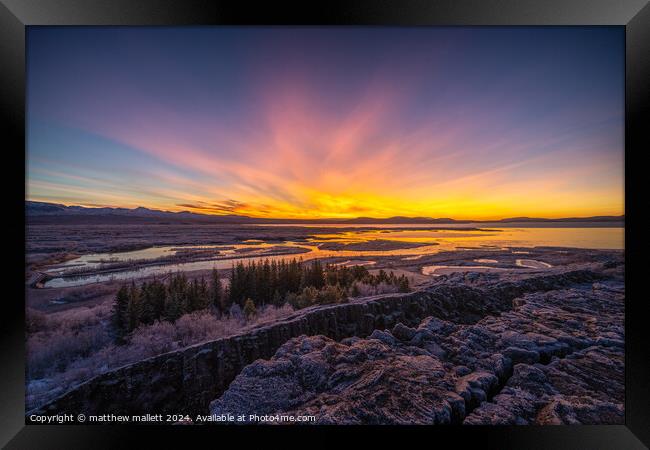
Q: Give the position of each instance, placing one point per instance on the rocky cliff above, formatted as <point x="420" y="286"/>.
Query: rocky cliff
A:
<point x="555" y="357"/>
<point x="187" y="381"/>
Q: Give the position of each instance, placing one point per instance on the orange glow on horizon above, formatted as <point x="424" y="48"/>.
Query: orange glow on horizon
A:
<point x="275" y="137"/>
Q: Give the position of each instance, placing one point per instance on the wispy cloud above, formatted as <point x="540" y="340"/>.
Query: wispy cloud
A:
<point x="427" y="137"/>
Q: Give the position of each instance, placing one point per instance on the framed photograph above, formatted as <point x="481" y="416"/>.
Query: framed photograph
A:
<point x="385" y="218"/>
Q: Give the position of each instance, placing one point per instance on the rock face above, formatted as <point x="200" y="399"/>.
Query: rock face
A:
<point x="555" y="358"/>
<point x="189" y="379"/>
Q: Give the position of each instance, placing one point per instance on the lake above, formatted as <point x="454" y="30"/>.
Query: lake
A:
<point x="455" y="238"/>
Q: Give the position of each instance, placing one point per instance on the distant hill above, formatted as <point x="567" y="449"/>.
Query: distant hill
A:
<point x="566" y="219"/>
<point x="55" y="210"/>
<point x="402" y="219"/>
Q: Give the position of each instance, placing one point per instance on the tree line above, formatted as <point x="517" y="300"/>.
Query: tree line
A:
<point x="165" y="300"/>
<point x="276" y="283"/>
<point x="250" y="286"/>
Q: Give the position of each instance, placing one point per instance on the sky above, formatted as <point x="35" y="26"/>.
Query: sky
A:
<point x="305" y="122"/>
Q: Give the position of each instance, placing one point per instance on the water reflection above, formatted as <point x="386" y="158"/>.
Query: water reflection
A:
<point x="440" y="240"/>
<point x="446" y="270"/>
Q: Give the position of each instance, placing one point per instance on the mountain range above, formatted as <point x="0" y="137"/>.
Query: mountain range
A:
<point x="41" y="209"/>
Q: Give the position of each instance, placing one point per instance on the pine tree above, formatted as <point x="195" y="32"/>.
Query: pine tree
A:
<point x="216" y="291"/>
<point x="383" y="276"/>
<point x="403" y="284"/>
<point x="203" y="294"/>
<point x="238" y="283"/>
<point x="158" y="293"/>
<point x="273" y="284"/>
<point x="173" y="306"/>
<point x="295" y="276"/>
<point x="147" y="306"/>
<point x="191" y="298"/>
<point x="226" y="302"/>
<point x="133" y="308"/>
<point x="265" y="283"/>
<point x="249" y="283"/>
<point x="277" y="298"/>
<point x="317" y="277"/>
<point x="176" y="297"/>
<point x="120" y="308"/>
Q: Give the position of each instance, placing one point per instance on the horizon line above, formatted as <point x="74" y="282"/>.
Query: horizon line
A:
<point x="95" y="206"/>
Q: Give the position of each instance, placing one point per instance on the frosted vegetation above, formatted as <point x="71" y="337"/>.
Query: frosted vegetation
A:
<point x="145" y="320"/>
<point x="66" y="348"/>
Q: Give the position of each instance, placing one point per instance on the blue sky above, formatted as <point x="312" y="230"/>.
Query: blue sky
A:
<point x="329" y="122"/>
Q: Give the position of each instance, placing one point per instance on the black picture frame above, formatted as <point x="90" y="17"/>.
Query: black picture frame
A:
<point x="634" y="15"/>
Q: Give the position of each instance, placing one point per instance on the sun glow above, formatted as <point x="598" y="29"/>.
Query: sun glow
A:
<point x="325" y="135"/>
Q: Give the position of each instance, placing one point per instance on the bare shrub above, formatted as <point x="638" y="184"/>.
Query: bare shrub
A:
<point x="199" y="326"/>
<point x="236" y="312"/>
<point x="51" y="352"/>
<point x="56" y="340"/>
<point x="270" y="314"/>
<point x="78" y="318"/>
<point x="154" y="339"/>
<point x="365" y="290"/>
<point x="68" y="357"/>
